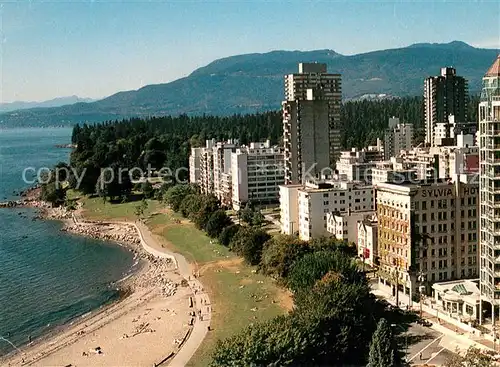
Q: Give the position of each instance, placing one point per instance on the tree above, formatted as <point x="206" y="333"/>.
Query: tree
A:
<point x="53" y="193"/>
<point x="248" y="243"/>
<point x="332" y="244"/>
<point x="311" y="267"/>
<point x="176" y="194"/>
<point x="382" y="347"/>
<point x="141" y="208"/>
<point x="147" y="189"/>
<point x="258" y="218"/>
<point x="473" y="358"/>
<point x="246" y="214"/>
<point x="190" y="205"/>
<point x="281" y="341"/>
<point x="208" y="205"/>
<point x="279" y="254"/>
<point x="228" y="233"/>
<point x="113" y="183"/>
<point x="216" y="223"/>
<point x="340" y="314"/>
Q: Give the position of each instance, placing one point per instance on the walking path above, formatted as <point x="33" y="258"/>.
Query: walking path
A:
<point x="202" y="301"/>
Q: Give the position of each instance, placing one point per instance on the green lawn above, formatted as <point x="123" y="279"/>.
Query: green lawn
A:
<point x="187" y="240"/>
<point x="239" y="298"/>
<point x="97" y="209"/>
<point x="238" y="294"/>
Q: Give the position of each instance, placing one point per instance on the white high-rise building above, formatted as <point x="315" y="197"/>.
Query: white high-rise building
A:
<point x="257" y="172"/>
<point x="311" y="119"/>
<point x="397" y="137"/>
<point x="489" y="160"/>
<point x="206" y="165"/>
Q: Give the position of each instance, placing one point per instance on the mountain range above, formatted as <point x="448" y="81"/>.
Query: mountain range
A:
<point x="56" y="102"/>
<point x="254" y="82"/>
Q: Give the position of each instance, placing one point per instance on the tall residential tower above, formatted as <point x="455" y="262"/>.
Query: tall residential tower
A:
<point x="444" y="95"/>
<point x="489" y="160"/>
<point x="311" y="119"/>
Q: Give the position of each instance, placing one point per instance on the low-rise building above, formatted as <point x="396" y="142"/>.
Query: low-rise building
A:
<point x="458" y="298"/>
<point x="388" y="172"/>
<point x="304" y="208"/>
<point x="344" y="226"/>
<point x="368" y="240"/>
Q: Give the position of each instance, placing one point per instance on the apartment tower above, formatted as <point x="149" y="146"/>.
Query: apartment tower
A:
<point x="311" y="119"/>
<point x="489" y="162"/>
<point x="397" y="137"/>
<point x="444" y="95"/>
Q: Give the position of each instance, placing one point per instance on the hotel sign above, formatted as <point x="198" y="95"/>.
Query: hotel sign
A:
<point x="437" y="193"/>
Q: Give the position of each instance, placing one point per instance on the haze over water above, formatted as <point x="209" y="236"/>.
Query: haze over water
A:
<point x="47" y="277"/>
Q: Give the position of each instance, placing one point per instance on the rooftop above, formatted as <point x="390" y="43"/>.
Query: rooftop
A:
<point x="494" y="69"/>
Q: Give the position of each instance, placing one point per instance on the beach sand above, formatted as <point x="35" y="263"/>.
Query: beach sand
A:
<point x="142" y="329"/>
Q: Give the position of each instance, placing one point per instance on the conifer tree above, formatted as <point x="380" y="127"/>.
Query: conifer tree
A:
<point x="382" y="351"/>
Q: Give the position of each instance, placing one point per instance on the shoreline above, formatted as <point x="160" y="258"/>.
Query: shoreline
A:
<point x="152" y="278"/>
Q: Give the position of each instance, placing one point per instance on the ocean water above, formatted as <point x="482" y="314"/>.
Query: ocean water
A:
<point x="47" y="277"/>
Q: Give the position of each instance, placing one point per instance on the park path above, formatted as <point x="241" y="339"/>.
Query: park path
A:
<point x="201" y="300"/>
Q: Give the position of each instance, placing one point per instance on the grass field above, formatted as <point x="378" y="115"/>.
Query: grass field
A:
<point x="97" y="209"/>
<point x="239" y="295"/>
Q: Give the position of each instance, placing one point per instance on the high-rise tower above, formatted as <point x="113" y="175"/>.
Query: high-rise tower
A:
<point x="311" y="119"/>
<point x="444" y="95"/>
<point x="489" y="159"/>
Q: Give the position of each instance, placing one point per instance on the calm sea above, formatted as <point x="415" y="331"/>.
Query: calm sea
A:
<point x="47" y="277"/>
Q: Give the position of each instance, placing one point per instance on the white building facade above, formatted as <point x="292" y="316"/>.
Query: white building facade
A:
<point x="304" y="208"/>
<point x="489" y="159"/>
<point x="367" y="244"/>
<point x="257" y="172"/>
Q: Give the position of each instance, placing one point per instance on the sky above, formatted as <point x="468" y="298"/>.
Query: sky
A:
<point x="97" y="48"/>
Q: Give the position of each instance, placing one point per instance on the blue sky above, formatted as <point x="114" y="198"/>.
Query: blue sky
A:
<point x="96" y="48"/>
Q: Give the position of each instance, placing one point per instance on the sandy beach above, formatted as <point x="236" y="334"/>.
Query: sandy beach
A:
<point x="153" y="322"/>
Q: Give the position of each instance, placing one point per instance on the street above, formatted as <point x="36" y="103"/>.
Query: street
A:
<point x="430" y="343"/>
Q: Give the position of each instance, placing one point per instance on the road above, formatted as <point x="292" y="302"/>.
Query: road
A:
<point x="429" y="343"/>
